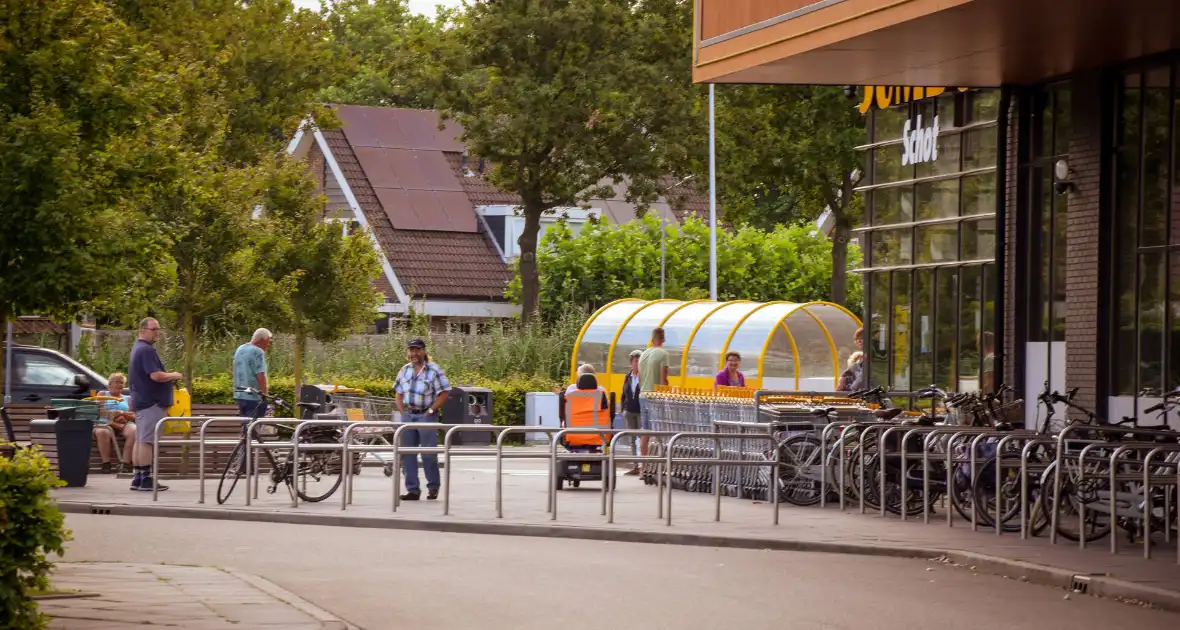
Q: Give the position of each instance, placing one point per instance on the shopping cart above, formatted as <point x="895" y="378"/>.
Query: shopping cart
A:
<point x="367" y="409"/>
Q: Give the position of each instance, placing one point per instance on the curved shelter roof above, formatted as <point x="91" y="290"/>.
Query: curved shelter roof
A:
<point x="783" y="345"/>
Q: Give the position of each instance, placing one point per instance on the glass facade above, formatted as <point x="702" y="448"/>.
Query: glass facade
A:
<point x="929" y="240"/>
<point x="1145" y="292"/>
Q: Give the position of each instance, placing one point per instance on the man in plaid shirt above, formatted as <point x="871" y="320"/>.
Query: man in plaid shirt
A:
<point x="421" y="389"/>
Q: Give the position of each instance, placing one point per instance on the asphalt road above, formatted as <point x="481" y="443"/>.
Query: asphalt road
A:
<point x="389" y="580"/>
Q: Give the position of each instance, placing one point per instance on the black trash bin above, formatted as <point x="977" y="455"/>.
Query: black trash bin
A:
<point x="469" y="405"/>
<point x="71" y="448"/>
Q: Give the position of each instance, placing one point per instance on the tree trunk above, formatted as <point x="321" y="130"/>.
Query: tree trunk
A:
<point x="190" y="349"/>
<point x="841" y="235"/>
<point x="530" y="282"/>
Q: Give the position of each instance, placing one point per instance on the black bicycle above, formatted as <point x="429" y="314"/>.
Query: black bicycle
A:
<point x="313" y="478"/>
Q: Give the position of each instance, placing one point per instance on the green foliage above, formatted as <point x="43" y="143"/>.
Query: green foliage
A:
<point x="83" y="139"/>
<point x="540" y="349"/>
<point x="321" y="276"/>
<point x="397" y="56"/>
<point x="31" y="528"/>
<point x="606" y="262"/>
<point x="564" y="96"/>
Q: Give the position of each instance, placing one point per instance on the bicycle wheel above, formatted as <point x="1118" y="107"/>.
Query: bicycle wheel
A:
<point x="798" y="470"/>
<point x="234" y="470"/>
<point x="316" y="475"/>
<point x="1097" y="524"/>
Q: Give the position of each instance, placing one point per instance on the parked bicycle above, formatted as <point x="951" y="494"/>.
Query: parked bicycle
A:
<point x="313" y="478"/>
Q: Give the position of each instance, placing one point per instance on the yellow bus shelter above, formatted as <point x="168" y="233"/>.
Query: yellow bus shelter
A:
<point x="783" y="345"/>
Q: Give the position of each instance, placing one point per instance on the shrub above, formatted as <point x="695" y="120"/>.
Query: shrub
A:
<point x="31" y="527"/>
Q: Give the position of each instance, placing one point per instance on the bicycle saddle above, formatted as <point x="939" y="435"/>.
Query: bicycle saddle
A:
<point x="1003" y="426"/>
<point x="823" y="411"/>
<point x="887" y="414"/>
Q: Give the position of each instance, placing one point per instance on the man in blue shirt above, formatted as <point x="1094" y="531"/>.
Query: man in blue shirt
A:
<point x="250" y="371"/>
<point x="153" y="388"/>
<point x="421" y="388"/>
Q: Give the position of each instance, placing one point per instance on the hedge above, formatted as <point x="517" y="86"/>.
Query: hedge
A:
<point x="31" y="527"/>
<point x="508" y="396"/>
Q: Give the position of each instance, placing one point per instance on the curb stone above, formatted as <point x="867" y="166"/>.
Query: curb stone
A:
<point x="1096" y="585"/>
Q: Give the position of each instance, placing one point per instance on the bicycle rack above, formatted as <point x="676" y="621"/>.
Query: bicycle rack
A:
<point x="251" y="445"/>
<point x="350" y="448"/>
<point x="1147" y="499"/>
<point x="471" y="452"/>
<point x="202" y="442"/>
<point x="295" y="448"/>
<point x="823" y="453"/>
<point x="718" y="462"/>
<point x="556" y="457"/>
<point x="656" y="460"/>
<point x="1114" y="477"/>
<point x="1059" y="461"/>
<point x="158" y="432"/>
<point x="953" y="433"/>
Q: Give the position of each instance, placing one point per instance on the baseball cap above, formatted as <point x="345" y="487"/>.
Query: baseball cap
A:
<point x="416" y="343"/>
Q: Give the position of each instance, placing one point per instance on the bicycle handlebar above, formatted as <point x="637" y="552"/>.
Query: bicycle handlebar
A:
<point x="278" y="402"/>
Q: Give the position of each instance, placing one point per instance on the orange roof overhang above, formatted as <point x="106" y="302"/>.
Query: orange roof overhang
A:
<point x="974" y="43"/>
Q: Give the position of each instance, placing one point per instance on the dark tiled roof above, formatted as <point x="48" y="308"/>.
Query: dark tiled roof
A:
<point x="449" y="264"/>
<point x="686" y="200"/>
<point x="36" y="326"/>
<point x="431" y="263"/>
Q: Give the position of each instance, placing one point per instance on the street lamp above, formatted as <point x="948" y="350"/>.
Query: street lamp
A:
<point x="663" y="229"/>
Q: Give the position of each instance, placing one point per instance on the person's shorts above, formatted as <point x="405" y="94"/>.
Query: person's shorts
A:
<point x="631" y="420"/>
<point x="146" y="421"/>
<point x="644" y="415"/>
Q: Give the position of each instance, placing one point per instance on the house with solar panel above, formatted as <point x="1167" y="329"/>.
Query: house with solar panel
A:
<point x="446" y="237"/>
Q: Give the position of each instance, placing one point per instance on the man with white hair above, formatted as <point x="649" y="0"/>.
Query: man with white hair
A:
<point x="250" y="371"/>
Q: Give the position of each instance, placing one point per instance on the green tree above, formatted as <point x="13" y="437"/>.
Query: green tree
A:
<point x="321" y="278"/>
<point x="787" y="153"/>
<point x="604" y="262"/>
<point x="84" y="139"/>
<point x="252" y="72"/>
<point x="564" y="96"/>
<point x="397" y="56"/>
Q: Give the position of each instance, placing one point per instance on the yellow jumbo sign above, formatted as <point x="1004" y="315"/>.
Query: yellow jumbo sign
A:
<point x="885" y="96"/>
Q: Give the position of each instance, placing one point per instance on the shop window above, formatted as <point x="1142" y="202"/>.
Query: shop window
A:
<point x="929" y="244"/>
<point x="1047" y="120"/>
<point x="1145" y="319"/>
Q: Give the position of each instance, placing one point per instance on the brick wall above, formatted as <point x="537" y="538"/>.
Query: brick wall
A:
<point x="1083" y="252"/>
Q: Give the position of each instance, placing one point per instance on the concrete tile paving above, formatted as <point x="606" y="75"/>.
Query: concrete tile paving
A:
<point x="164" y="596"/>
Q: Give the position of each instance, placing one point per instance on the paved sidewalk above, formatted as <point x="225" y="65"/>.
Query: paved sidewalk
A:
<point x="166" y="596"/>
<point x="743" y="523"/>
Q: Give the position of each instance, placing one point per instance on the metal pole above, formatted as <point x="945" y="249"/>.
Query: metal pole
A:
<point x="8" y="364"/>
<point x="712" y="199"/>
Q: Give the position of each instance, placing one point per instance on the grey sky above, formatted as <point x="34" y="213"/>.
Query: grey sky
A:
<point x="420" y="6"/>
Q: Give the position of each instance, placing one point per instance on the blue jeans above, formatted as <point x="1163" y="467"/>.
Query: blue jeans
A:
<point x="644" y="415"/>
<point x="246" y="408"/>
<point x="425" y="438"/>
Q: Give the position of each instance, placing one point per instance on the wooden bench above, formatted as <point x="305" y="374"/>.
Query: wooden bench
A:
<point x="175" y="462"/>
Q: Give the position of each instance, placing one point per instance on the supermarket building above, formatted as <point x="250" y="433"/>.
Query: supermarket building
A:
<point x="1021" y="185"/>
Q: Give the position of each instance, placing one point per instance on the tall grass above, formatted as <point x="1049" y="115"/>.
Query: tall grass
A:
<point x="538" y="349"/>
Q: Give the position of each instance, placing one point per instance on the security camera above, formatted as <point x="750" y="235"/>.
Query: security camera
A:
<point x="850" y="92"/>
<point x="1063" y="177"/>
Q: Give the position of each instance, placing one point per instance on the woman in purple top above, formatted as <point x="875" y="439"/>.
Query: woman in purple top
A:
<point x="730" y="376"/>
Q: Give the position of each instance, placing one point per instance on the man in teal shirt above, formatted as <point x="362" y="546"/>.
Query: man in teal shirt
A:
<point x="250" y="371"/>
